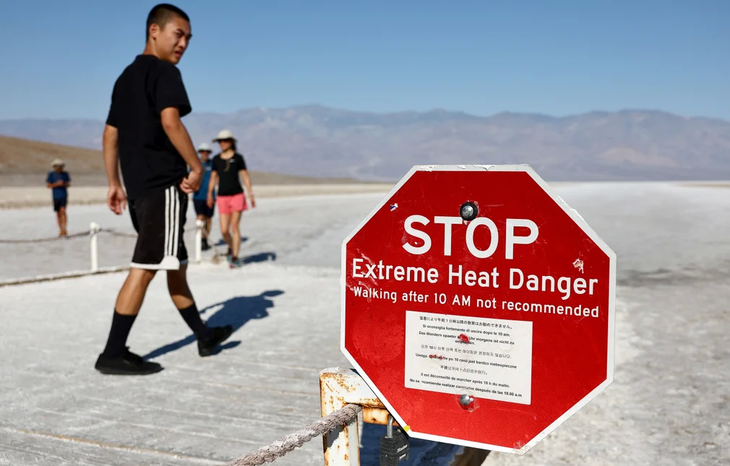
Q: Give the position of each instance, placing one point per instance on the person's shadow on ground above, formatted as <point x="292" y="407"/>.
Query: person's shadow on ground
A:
<point x="250" y="259"/>
<point x="260" y="257"/>
<point x="235" y="312"/>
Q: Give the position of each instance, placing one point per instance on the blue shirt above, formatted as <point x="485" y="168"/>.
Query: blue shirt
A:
<point x="59" y="193"/>
<point x="202" y="193"/>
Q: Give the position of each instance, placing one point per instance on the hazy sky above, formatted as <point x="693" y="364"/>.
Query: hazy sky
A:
<point x="60" y="58"/>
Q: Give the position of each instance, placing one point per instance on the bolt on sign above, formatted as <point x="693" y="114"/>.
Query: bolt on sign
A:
<point x="479" y="306"/>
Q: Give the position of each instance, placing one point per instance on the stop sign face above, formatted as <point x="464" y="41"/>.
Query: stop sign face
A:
<point x="487" y="329"/>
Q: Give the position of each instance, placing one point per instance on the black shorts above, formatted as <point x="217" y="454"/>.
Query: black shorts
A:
<point x="201" y="208"/>
<point x="58" y="203"/>
<point x="159" y="219"/>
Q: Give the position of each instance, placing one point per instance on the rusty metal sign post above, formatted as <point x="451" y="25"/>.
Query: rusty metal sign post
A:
<point x="340" y="387"/>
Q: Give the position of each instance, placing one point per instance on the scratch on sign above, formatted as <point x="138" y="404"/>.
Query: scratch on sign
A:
<point x="578" y="264"/>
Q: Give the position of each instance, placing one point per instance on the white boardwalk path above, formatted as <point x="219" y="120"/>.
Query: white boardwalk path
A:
<point x="668" y="405"/>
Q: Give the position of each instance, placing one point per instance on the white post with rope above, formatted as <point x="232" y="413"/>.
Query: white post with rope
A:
<point x="94" y="229"/>
<point x="199" y="225"/>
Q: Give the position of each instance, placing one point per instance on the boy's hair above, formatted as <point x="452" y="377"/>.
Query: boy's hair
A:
<point x="161" y="14"/>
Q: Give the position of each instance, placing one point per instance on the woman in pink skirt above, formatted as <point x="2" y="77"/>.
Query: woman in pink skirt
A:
<point x="229" y="167"/>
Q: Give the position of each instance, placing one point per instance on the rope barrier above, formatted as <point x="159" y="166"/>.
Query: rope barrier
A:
<point x="118" y="233"/>
<point x="280" y="448"/>
<point x="81" y="234"/>
<point x="93" y="231"/>
<point x="43" y="240"/>
<point x="61" y="276"/>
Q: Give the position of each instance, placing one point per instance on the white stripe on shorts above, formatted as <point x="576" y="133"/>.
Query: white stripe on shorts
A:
<point x="176" y="219"/>
<point x="167" y="222"/>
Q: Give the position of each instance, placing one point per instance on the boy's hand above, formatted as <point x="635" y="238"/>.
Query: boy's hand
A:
<point x="116" y="199"/>
<point x="192" y="182"/>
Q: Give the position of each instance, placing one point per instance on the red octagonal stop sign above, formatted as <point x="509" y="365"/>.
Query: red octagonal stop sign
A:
<point x="488" y="331"/>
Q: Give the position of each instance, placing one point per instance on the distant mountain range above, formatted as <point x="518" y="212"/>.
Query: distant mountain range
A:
<point x="327" y="142"/>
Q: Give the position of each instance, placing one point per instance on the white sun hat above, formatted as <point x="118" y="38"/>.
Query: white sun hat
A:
<point x="204" y="147"/>
<point x="224" y="134"/>
<point x="57" y="163"/>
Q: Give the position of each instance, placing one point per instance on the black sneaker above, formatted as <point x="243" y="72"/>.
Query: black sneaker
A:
<point x="205" y="245"/>
<point x="207" y="346"/>
<point x="126" y="364"/>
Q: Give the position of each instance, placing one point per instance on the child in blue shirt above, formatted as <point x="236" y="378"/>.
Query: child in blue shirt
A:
<point x="58" y="181"/>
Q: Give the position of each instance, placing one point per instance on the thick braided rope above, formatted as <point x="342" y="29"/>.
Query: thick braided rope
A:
<point x="44" y="240"/>
<point x="109" y="231"/>
<point x="117" y="233"/>
<point x="130" y="235"/>
<point x="280" y="448"/>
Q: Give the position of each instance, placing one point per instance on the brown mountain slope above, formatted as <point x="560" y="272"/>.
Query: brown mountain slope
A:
<point x="23" y="156"/>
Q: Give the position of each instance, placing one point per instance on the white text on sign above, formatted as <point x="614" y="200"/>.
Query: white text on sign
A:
<point x="456" y="275"/>
<point x="511" y="238"/>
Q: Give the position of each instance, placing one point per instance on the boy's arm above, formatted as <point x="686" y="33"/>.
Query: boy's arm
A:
<point x="178" y="134"/>
<point x="111" y="155"/>
<point x="172" y="103"/>
<point x="116" y="198"/>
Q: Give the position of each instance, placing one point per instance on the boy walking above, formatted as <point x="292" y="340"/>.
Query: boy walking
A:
<point x="146" y="138"/>
<point x="59" y="180"/>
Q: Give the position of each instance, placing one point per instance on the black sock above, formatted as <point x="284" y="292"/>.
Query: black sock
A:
<point x="117" y="342"/>
<point x="192" y="318"/>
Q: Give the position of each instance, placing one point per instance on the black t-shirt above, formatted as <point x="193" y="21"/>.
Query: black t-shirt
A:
<point x="148" y="159"/>
<point x="229" y="183"/>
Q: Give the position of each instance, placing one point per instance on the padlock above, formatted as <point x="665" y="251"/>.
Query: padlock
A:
<point x="394" y="446"/>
